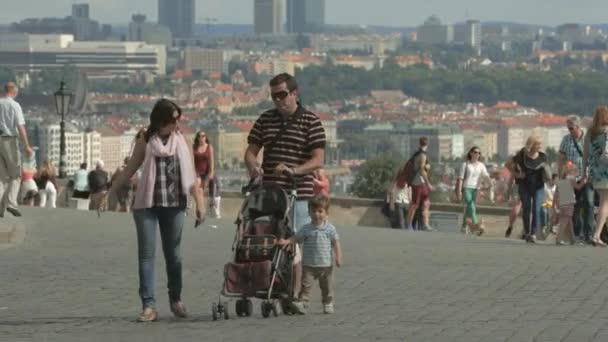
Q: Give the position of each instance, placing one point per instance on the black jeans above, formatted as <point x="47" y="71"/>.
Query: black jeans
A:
<point x="399" y="216"/>
<point x="583" y="219"/>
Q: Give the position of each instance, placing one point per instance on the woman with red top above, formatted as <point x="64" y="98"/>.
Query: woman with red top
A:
<point x="204" y="162"/>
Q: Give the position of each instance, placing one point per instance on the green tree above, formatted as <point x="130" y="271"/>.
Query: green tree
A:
<point x="6" y="75"/>
<point x="245" y="111"/>
<point x="374" y="177"/>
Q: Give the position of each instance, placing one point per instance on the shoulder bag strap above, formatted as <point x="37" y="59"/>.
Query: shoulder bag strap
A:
<point x="284" y="125"/>
<point x="578" y="149"/>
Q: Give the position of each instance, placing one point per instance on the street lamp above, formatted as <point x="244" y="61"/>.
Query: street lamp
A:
<point x="63" y="99"/>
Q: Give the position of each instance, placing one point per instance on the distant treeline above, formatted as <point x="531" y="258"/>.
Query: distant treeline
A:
<point x="555" y="91"/>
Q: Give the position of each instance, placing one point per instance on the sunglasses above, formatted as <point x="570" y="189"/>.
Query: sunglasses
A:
<point x="571" y="128"/>
<point x="279" y="95"/>
<point x="476" y="152"/>
<point x="170" y="121"/>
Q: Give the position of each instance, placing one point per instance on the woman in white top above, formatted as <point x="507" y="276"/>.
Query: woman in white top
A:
<point x="466" y="186"/>
<point x="399" y="200"/>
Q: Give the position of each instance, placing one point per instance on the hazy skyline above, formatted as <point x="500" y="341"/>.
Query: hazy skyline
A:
<point x="358" y="12"/>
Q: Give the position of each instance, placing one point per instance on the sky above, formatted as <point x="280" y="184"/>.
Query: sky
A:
<point x="358" y="12"/>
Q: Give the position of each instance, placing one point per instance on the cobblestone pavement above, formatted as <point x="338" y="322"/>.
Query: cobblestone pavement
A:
<point x="74" y="278"/>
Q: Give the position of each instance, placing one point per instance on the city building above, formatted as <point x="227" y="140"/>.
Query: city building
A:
<point x="78" y="24"/>
<point x="206" y="61"/>
<point x="229" y="143"/>
<point x="81" y="147"/>
<point x="127" y="142"/>
<point x="84" y="27"/>
<point x="434" y="32"/>
<point x="445" y="141"/>
<point x="305" y="16"/>
<point x="469" y="34"/>
<point x="111" y="151"/>
<point x="267" y="16"/>
<point x="142" y="31"/>
<point x="370" y="43"/>
<point x="91" y="150"/>
<point x="31" y="53"/>
<point x="365" y="62"/>
<point x="513" y="133"/>
<point x="178" y="16"/>
<point x="483" y="137"/>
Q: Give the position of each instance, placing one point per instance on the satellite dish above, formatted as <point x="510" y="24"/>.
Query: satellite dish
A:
<point x="81" y="91"/>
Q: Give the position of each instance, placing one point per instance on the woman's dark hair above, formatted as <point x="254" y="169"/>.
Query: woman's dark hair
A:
<point x="162" y="114"/>
<point x="471" y="152"/>
<point x="197" y="140"/>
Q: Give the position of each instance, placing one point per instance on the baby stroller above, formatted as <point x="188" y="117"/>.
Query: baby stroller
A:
<point x="259" y="267"/>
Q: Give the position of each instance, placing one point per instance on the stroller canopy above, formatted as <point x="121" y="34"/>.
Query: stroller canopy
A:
<point x="268" y="199"/>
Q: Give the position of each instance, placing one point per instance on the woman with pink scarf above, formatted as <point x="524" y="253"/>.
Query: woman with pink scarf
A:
<point x="167" y="178"/>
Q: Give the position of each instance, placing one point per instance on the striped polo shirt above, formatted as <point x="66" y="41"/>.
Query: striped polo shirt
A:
<point x="317" y="244"/>
<point x="304" y="133"/>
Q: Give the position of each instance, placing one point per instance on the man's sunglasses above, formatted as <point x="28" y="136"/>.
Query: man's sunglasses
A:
<point x="279" y="95"/>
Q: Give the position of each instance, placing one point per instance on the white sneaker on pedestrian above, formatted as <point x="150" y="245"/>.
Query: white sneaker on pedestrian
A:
<point x="328" y="308"/>
<point x="428" y="228"/>
<point x="299" y="307"/>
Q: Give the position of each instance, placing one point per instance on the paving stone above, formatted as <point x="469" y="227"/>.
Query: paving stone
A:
<point x="74" y="278"/>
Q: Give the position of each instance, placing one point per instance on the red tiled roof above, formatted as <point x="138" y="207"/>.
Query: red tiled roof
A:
<point x="178" y="74"/>
<point x="223" y="87"/>
<point x="215" y="75"/>
<point x="244" y="126"/>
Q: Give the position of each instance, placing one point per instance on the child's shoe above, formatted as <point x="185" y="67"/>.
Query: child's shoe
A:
<point x="328" y="308"/>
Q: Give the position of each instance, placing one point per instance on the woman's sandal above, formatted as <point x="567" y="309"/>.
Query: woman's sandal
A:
<point x="596" y="242"/>
<point x="148" y="315"/>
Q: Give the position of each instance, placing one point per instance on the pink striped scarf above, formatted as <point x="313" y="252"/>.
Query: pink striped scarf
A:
<point x="144" y="197"/>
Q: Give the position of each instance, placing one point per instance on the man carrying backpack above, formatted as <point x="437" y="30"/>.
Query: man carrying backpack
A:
<point x="415" y="174"/>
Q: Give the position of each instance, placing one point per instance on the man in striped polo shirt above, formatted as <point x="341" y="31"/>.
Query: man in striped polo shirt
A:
<point x="298" y="150"/>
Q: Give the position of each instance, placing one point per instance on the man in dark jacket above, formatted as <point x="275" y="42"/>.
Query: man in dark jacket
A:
<point x="98" y="185"/>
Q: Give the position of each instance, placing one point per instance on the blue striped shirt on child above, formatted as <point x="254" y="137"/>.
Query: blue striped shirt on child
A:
<point x="316" y="244"/>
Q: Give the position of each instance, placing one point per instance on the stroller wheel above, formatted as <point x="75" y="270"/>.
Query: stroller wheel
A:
<point x="225" y="310"/>
<point x="214" y="312"/>
<point x="248" y="306"/>
<point x="285" y="307"/>
<point x="238" y="308"/>
<point x="276" y="308"/>
<point x="265" y="307"/>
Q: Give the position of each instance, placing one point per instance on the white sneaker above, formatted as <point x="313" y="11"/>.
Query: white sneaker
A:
<point x="427" y="228"/>
<point x="328" y="308"/>
<point x="299" y="307"/>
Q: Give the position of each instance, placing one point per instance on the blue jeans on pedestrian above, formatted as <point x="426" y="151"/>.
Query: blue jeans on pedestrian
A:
<point x="544" y="217"/>
<point x="531" y="205"/>
<point x="300" y="214"/>
<point x="583" y="218"/>
<point x="170" y="221"/>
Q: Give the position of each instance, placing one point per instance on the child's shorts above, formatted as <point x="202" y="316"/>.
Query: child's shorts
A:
<point x="566" y="211"/>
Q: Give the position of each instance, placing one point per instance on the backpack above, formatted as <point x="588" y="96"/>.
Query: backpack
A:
<point x="408" y="171"/>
